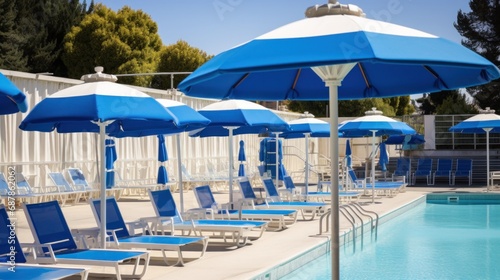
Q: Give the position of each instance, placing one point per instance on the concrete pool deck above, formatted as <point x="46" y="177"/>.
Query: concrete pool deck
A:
<point x="229" y="262"/>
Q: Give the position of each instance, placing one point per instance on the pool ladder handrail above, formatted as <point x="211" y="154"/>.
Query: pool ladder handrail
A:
<point x="357" y="210"/>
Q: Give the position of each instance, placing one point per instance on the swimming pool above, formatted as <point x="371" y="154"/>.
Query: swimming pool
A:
<point x="434" y="240"/>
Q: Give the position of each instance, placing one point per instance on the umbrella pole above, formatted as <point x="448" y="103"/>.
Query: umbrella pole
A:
<point x="373" y="165"/>
<point x="102" y="167"/>
<point x="487" y="158"/>
<point x="307" y="164"/>
<point x="231" y="162"/>
<point x="179" y="168"/>
<point x="334" y="167"/>
<point x="277" y="160"/>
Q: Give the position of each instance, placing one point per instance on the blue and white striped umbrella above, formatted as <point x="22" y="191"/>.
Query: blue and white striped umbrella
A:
<point x="12" y="99"/>
<point x="353" y="56"/>
<point x="103" y="107"/>
<point x="485" y="122"/>
<point x="235" y="117"/>
<point x="374" y="124"/>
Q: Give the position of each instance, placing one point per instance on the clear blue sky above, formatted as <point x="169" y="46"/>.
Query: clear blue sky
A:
<point x="216" y="25"/>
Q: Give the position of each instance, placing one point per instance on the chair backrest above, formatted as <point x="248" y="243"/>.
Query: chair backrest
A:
<point x="59" y="180"/>
<point x="289" y="184"/>
<point x="402" y="166"/>
<point x="464" y="165"/>
<point x="424" y="164"/>
<point x="114" y="218"/>
<point x="352" y="175"/>
<point x="164" y="204"/>
<point x="185" y="173"/>
<point x="77" y="178"/>
<point x="23" y="187"/>
<point x="271" y="189"/>
<point x="204" y="196"/>
<point x="444" y="164"/>
<point x="246" y="188"/>
<point x="9" y="241"/>
<point x="48" y="225"/>
<point x="4" y="186"/>
<point x="262" y="170"/>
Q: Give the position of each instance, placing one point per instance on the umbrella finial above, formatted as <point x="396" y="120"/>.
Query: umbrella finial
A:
<point x="334" y="8"/>
<point x="487" y="110"/>
<point x="98" y="76"/>
<point x="373" y="111"/>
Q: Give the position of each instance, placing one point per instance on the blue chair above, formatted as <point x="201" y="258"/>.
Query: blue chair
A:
<point x="463" y="170"/>
<point x="343" y="194"/>
<point x="120" y="237"/>
<point x="168" y="219"/>
<point x="13" y="189"/>
<point x="273" y="199"/>
<point x="402" y="169"/>
<point x="206" y="201"/>
<point x="57" y="245"/>
<point x="444" y="167"/>
<point x="387" y="188"/>
<point x="424" y="169"/>
<point x="13" y="262"/>
<point x="66" y="191"/>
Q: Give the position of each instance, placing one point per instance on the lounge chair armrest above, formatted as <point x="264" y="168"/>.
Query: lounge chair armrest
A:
<point x="138" y="224"/>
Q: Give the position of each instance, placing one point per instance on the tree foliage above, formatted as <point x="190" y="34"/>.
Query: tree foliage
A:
<point x="122" y="42"/>
<point x="394" y="106"/>
<point x="481" y="31"/>
<point x="445" y="103"/>
<point x="32" y="32"/>
<point x="179" y="57"/>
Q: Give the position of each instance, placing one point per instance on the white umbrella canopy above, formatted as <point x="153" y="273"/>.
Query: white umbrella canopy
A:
<point x="485" y="122"/>
<point x="235" y="117"/>
<point x="353" y="56"/>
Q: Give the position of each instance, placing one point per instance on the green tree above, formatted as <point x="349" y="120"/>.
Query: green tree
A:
<point x="10" y="41"/>
<point x="481" y="31"/>
<point x="123" y="42"/>
<point x="439" y="103"/>
<point x="179" y="57"/>
<point x="394" y="106"/>
<point x="43" y="25"/>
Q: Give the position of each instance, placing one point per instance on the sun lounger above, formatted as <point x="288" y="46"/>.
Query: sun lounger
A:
<point x="168" y="219"/>
<point x="344" y="195"/>
<point x="386" y="188"/>
<point x="424" y="169"/>
<point x="443" y="170"/>
<point x="66" y="191"/>
<point x="13" y="261"/>
<point x="274" y="202"/>
<point x="206" y="201"/>
<point x="56" y="244"/>
<point x="9" y="190"/>
<point x="78" y="179"/>
<point x="463" y="170"/>
<point x="119" y="236"/>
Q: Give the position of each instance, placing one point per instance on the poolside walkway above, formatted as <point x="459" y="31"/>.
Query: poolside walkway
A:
<point x="222" y="262"/>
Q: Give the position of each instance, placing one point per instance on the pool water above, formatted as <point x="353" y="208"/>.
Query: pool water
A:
<point x="430" y="241"/>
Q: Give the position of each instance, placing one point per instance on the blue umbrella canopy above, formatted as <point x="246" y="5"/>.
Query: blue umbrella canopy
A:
<point x="103" y="107"/>
<point x="162" y="177"/>
<point x="348" y="153"/>
<point x="353" y="56"/>
<point x="12" y="99"/>
<point x="383" y="157"/>
<point x="374" y="122"/>
<point x="111" y="157"/>
<point x="241" y="158"/>
<point x="485" y="122"/>
<point x="313" y="127"/>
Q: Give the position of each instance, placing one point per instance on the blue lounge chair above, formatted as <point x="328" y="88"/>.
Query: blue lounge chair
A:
<point x="443" y="170"/>
<point x="79" y="182"/>
<point x="344" y="195"/>
<point x="463" y="170"/>
<point x="120" y="237"/>
<point x="206" y="201"/>
<point x="66" y="191"/>
<point x="273" y="200"/>
<point x="13" y="261"/>
<point x="386" y="188"/>
<point x="402" y="169"/>
<point x="9" y="190"/>
<point x="168" y="219"/>
<point x="56" y="244"/>
<point x="424" y="169"/>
